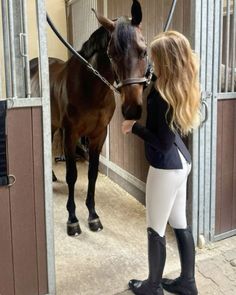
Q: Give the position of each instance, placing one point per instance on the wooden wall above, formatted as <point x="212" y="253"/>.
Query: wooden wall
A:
<point x="226" y="166"/>
<point x="23" y="261"/>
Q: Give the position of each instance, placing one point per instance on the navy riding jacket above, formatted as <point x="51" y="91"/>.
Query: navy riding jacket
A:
<point x="161" y="143"/>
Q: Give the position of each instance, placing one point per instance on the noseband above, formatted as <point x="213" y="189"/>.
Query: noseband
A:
<point x="143" y="80"/>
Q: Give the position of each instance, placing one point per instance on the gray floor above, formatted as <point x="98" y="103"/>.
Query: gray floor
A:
<point x="102" y="263"/>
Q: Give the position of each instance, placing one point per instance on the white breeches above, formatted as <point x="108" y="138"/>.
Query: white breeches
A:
<point x="166" y="197"/>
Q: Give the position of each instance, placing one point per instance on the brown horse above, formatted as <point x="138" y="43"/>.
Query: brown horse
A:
<point x="82" y="105"/>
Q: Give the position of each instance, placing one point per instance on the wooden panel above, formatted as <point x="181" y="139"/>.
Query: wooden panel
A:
<point x="39" y="200"/>
<point x="23" y="258"/>
<point x="226" y="168"/>
<point x="22" y="202"/>
<point x="219" y="167"/>
<point x="6" y="260"/>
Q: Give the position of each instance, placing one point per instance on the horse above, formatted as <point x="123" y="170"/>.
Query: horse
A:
<point x="82" y="105"/>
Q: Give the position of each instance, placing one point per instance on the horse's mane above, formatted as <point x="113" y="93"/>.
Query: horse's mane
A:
<point x="124" y="35"/>
<point x="96" y="42"/>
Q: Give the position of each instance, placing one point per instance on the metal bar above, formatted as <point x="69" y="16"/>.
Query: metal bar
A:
<point x="202" y="130"/>
<point x="170" y="16"/>
<point x="215" y="74"/>
<point x="221" y="46"/>
<point x="227" y="46"/>
<point x="208" y="125"/>
<point x="12" y="47"/>
<point x="196" y="32"/>
<point x="24" y="102"/>
<point x="225" y="235"/>
<point x="7" y="64"/>
<point x="26" y="48"/>
<point x="44" y="82"/>
<point x="233" y="67"/>
<point x="227" y="95"/>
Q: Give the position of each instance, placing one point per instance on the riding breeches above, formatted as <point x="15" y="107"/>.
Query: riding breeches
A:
<point x="166" y="197"/>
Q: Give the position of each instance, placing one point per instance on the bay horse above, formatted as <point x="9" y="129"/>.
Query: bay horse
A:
<point x="82" y="105"/>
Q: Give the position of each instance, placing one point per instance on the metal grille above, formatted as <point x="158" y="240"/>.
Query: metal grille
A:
<point x="14" y="51"/>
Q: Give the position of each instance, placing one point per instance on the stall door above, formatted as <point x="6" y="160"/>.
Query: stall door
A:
<point x="26" y="235"/>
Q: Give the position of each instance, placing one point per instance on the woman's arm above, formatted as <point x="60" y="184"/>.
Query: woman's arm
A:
<point x="163" y="143"/>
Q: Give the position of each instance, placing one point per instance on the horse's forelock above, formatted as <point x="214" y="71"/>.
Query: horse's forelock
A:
<point x="123" y="35"/>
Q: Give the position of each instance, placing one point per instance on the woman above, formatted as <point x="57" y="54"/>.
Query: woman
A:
<point x="172" y="108"/>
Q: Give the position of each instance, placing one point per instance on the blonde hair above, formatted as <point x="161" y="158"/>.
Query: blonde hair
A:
<point x="176" y="67"/>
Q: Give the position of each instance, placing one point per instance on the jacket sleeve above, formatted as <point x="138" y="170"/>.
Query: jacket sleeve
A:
<point x="162" y="144"/>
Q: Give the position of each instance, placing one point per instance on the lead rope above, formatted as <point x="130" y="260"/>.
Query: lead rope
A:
<point x="80" y="57"/>
<point x="5" y="179"/>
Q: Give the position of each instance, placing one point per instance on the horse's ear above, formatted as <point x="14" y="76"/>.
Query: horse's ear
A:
<point x="136" y="12"/>
<point x="104" y="21"/>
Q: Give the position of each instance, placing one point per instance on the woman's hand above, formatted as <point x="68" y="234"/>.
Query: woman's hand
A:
<point x="127" y="126"/>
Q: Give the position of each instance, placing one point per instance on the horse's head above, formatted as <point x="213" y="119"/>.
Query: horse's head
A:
<point x="127" y="51"/>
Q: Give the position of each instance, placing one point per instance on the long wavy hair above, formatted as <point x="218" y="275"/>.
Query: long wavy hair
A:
<point x="176" y="67"/>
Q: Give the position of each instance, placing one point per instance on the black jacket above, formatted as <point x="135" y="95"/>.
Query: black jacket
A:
<point x="161" y="142"/>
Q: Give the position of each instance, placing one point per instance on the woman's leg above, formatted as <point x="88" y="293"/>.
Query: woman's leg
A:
<point x="161" y="190"/>
<point x="185" y="284"/>
<point x="160" y="195"/>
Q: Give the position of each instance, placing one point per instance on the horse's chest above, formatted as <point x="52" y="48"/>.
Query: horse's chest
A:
<point x="91" y="121"/>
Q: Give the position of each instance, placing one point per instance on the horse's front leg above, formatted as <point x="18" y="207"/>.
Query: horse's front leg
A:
<point x="93" y="220"/>
<point x="95" y="146"/>
<point x="73" y="227"/>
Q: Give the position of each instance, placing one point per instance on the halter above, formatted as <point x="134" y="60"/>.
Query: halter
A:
<point x="142" y="80"/>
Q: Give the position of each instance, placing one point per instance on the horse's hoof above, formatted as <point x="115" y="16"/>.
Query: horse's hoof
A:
<point x="95" y="224"/>
<point x="73" y="229"/>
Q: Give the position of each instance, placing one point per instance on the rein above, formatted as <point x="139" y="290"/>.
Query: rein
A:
<point x="116" y="89"/>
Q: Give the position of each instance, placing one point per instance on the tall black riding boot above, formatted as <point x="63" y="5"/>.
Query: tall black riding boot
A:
<point x="156" y="261"/>
<point x="185" y="284"/>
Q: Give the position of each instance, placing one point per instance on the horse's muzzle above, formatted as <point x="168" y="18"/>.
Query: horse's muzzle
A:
<point x="132" y="112"/>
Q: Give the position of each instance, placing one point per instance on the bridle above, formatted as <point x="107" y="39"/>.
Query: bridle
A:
<point x="143" y="80"/>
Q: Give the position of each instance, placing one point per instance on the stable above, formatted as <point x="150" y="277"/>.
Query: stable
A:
<point x="26" y="202"/>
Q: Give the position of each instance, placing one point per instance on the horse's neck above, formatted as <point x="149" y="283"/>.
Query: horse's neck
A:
<point x="99" y="61"/>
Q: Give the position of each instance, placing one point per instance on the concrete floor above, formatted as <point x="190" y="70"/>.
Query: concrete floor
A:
<point x="102" y="263"/>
